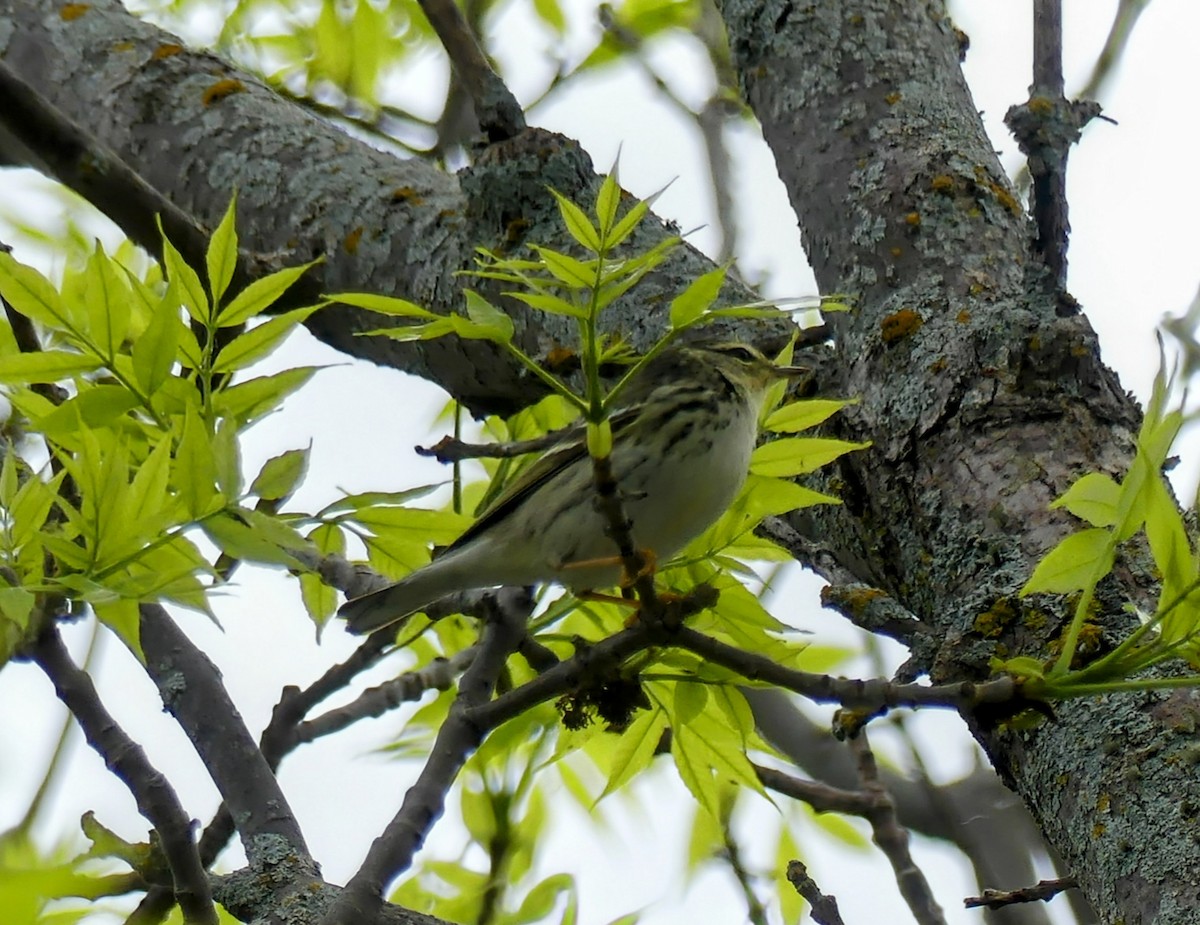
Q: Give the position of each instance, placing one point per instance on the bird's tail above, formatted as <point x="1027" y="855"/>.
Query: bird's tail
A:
<point x="394" y="603"/>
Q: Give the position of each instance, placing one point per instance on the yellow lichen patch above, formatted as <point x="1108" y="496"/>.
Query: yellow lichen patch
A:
<point x="963" y="316"/>
<point x="993" y="621"/>
<point x="942" y="183"/>
<point x="72" y="11"/>
<point x="352" y="239"/>
<point x="893" y="98"/>
<point x="123" y="46"/>
<point x="897" y="251"/>
<point x="222" y="89"/>
<point x="900" y="324"/>
<point x="912" y="219"/>
<point x="166" y="50"/>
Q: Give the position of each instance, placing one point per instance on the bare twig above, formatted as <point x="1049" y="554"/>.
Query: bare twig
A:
<point x="824" y="908"/>
<point x="156" y="799"/>
<point x="459" y="735"/>
<point x="497" y="110"/>
<point x="892" y="839"/>
<point x="1045" y="127"/>
<point x="1042" y="891"/>
<point x="872" y="696"/>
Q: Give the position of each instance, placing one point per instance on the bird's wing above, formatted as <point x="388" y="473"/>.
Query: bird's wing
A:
<point x="536" y="475"/>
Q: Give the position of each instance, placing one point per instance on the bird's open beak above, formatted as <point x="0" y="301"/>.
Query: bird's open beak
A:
<point x="791" y="372"/>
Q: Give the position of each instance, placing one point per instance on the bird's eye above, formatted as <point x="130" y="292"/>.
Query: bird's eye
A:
<point x="738" y="352"/>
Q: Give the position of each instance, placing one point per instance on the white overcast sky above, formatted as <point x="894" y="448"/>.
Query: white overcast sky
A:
<point x="1133" y="258"/>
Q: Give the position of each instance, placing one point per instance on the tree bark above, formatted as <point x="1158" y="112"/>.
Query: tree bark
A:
<point x="982" y="404"/>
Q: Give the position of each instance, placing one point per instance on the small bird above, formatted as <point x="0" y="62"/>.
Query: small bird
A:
<point x="681" y="450"/>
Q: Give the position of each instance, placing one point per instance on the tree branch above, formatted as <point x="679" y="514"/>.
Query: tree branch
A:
<point x="155" y="798"/>
<point x="458" y="736"/>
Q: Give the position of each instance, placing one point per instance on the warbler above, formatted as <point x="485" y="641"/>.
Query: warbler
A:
<point x="680" y="453"/>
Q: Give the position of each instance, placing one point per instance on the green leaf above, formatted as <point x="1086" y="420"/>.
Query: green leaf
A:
<point x="635" y="749"/>
<point x="46" y="366"/>
<point x="250" y="400"/>
<point x="123" y="618"/>
<point x="259" y="341"/>
<point x="541" y="900"/>
<point x="196" y="468"/>
<point x="411" y="332"/>
<point x="437" y="527"/>
<point x="576" y="274"/>
<point x="799" y="455"/>
<point x="223" y="253"/>
<point x="31" y="294"/>
<point x="248" y="538"/>
<point x="608" y="200"/>
<point x="1093" y="498"/>
<point x="577" y="223"/>
<point x="489" y="318"/>
<point x="31" y="506"/>
<point x="187" y="281"/>
<point x="107" y="304"/>
<point x="16" y="606"/>
<point x="801" y="415"/>
<point x="383" y="305"/>
<point x="625" y="227"/>
<point x="1169" y="544"/>
<point x="370" y="499"/>
<point x="96" y="406"/>
<point x="154" y="351"/>
<point x="697" y="298"/>
<point x="1074" y="564"/>
<point x="227" y="455"/>
<point x="280" y="475"/>
<point x="549" y="12"/>
<point x="544" y="302"/>
<point x="260" y="295"/>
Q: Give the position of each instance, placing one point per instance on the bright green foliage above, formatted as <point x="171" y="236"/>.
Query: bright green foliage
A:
<point x="594" y="748"/>
<point x="142" y="436"/>
<point x="1117" y="511"/>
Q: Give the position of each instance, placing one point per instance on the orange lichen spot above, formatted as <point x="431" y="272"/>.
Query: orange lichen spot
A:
<point x="897" y="251"/>
<point x="912" y="219"/>
<point x="73" y="11"/>
<point x="222" y="89"/>
<point x="352" y="239"/>
<point x="562" y="360"/>
<point x="166" y="50"/>
<point x="893" y="98"/>
<point x="900" y="325"/>
<point x="942" y="183"/>
<point x="963" y="316"/>
<point x="1041" y="106"/>
<point x="407" y="194"/>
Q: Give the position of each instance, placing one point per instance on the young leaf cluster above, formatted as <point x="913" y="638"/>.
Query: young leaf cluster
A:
<point x="130" y="389"/>
<point x="1115" y="513"/>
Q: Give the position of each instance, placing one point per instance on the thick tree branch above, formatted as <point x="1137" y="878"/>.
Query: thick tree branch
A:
<point x="192" y="692"/>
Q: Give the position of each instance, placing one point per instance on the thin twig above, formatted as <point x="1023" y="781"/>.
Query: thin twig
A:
<point x="1045" y="127"/>
<point x="872" y="696"/>
<point x="1043" y="891"/>
<point x="892" y="839"/>
<point x="458" y="736"/>
<point x="496" y="108"/>
<point x="156" y="799"/>
<point x="824" y="908"/>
